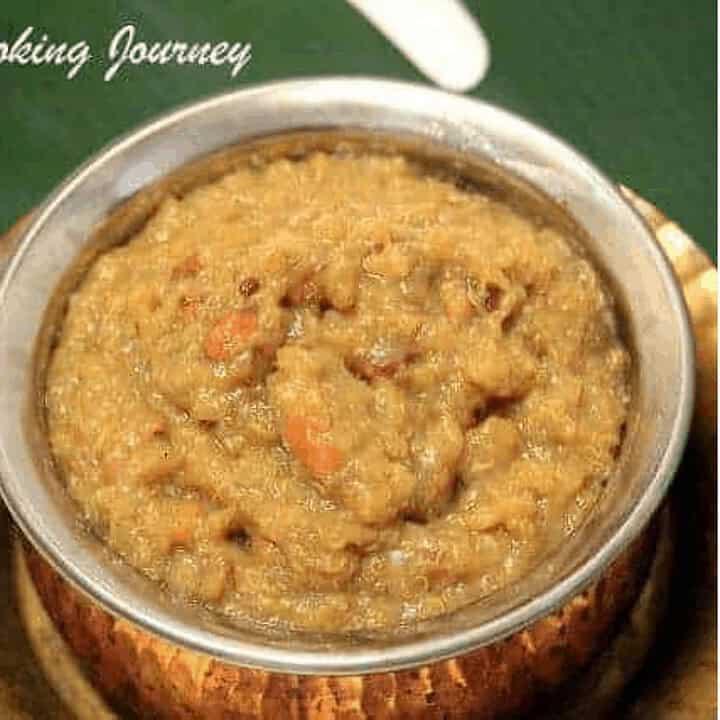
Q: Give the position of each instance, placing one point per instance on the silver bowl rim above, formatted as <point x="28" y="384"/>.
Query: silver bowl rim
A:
<point x="404" y="655"/>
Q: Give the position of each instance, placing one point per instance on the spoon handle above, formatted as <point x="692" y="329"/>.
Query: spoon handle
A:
<point x="439" y="37"/>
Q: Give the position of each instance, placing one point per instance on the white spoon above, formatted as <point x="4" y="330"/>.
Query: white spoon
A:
<point x="439" y="37"/>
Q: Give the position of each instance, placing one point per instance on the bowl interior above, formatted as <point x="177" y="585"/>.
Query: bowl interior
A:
<point x="114" y="194"/>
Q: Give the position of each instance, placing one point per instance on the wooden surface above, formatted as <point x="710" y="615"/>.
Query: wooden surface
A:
<point x="679" y="683"/>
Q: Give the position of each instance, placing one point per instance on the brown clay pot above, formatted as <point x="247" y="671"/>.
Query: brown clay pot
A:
<point x="156" y="679"/>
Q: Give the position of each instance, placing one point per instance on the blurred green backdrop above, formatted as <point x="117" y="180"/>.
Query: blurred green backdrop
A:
<point x="632" y="84"/>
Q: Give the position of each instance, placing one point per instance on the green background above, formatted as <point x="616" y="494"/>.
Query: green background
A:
<point x="632" y="84"/>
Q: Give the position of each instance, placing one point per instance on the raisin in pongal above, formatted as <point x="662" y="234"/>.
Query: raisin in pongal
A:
<point x="337" y="393"/>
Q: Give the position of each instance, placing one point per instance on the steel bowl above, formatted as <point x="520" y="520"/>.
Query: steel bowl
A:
<point x="124" y="182"/>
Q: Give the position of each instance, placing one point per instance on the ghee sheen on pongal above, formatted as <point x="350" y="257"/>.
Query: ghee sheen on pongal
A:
<point x="338" y="393"/>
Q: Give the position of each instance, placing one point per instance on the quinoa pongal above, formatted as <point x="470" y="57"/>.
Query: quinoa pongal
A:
<point x="338" y="393"/>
